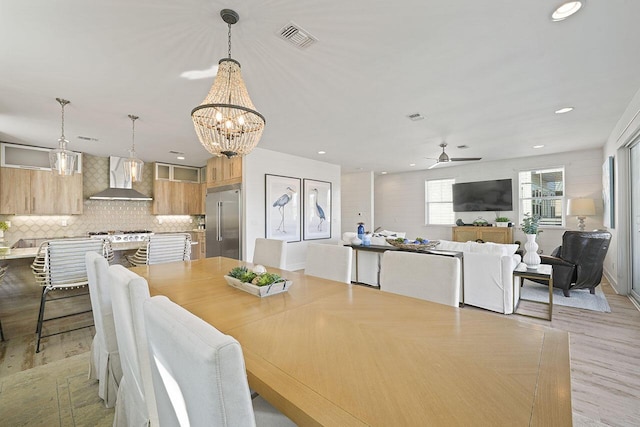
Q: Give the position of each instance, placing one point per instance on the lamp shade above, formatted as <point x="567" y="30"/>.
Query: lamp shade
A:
<point x="581" y="207"/>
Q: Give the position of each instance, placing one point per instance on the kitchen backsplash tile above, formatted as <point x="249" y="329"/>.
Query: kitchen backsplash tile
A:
<point x="99" y="215"/>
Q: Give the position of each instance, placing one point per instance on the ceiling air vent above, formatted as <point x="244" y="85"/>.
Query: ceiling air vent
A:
<point x="415" y="117"/>
<point x="295" y="35"/>
<point x="88" y="138"/>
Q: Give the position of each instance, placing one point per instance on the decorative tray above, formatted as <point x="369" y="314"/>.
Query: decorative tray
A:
<point x="261" y="291"/>
<point x="431" y="244"/>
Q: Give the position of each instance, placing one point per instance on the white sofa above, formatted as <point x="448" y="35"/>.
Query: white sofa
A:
<point x="488" y="273"/>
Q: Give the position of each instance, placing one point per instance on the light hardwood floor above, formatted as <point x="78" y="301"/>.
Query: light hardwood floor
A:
<point x="605" y="348"/>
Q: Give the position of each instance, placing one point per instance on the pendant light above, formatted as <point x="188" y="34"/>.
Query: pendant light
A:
<point x="132" y="165"/>
<point x="227" y="122"/>
<point x="61" y="160"/>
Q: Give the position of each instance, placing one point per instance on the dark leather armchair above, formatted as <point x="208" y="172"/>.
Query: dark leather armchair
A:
<point x="577" y="264"/>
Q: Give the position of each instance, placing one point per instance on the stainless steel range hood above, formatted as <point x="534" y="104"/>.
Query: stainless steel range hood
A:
<point x="119" y="186"/>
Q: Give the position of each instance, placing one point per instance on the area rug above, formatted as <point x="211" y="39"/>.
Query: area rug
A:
<point x="56" y="394"/>
<point x="580" y="298"/>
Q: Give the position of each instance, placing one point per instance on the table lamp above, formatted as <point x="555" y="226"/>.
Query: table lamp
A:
<point x="581" y="208"/>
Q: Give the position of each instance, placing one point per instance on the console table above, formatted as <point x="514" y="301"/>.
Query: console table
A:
<point x="467" y="233"/>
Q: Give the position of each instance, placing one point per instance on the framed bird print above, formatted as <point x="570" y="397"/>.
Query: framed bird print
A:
<point x="317" y="210"/>
<point x="282" y="204"/>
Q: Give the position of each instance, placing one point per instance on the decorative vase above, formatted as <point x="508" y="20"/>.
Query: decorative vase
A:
<point x="360" y="230"/>
<point x="531" y="257"/>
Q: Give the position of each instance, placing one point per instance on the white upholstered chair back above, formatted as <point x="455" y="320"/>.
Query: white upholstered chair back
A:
<point x="331" y="262"/>
<point x="199" y="376"/>
<point x="270" y="253"/>
<point x="105" y="359"/>
<point x="135" y="405"/>
<point x="430" y="277"/>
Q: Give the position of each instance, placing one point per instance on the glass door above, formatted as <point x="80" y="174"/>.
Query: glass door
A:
<point x="635" y="220"/>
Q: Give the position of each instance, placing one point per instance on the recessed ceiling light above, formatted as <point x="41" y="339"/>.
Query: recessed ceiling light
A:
<point x="180" y="157"/>
<point x="564" y="110"/>
<point x="565" y="10"/>
<point x="322" y="152"/>
<point x="412" y="164"/>
<point x="538" y="146"/>
<point x="383" y="173"/>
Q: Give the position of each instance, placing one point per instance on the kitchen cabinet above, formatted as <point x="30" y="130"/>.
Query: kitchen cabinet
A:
<point x="177" y="190"/>
<point x="223" y="171"/>
<point x="39" y="192"/>
<point x="486" y="234"/>
<point x="198" y="251"/>
<point x="178" y="198"/>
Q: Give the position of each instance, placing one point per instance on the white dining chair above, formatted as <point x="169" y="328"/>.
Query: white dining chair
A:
<point x="331" y="262"/>
<point x="59" y="265"/>
<point x="270" y="253"/>
<point x="199" y="376"/>
<point x="105" y="358"/>
<point x="135" y="405"/>
<point x="429" y="277"/>
<point x="161" y="248"/>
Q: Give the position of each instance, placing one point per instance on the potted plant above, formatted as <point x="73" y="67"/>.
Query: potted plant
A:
<point x="502" y="221"/>
<point x="3" y="227"/>
<point x="530" y="226"/>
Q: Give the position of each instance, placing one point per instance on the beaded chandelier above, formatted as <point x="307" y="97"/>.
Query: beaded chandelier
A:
<point x="227" y="122"/>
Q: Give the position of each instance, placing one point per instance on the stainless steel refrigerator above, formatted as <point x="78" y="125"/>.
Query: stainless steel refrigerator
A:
<point x="223" y="224"/>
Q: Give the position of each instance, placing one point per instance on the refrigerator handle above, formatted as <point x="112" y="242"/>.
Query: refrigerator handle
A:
<point x="219" y="221"/>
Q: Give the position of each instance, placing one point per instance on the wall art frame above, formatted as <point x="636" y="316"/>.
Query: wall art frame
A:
<point x="317" y="209"/>
<point x="282" y="208"/>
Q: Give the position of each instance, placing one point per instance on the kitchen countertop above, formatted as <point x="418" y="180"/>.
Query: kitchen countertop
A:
<point x="32" y="252"/>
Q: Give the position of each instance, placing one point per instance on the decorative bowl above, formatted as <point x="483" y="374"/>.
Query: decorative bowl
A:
<point x="413" y="246"/>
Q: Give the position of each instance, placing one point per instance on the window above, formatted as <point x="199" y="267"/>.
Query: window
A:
<point x="439" y="201"/>
<point x="542" y="193"/>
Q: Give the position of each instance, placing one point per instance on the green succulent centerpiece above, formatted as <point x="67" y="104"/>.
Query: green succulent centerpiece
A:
<point x="4" y="226"/>
<point x="502" y="219"/>
<point x="257" y="281"/>
<point x="530" y="224"/>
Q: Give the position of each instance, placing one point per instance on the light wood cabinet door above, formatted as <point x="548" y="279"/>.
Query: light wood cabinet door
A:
<point x="232" y="169"/>
<point x="214" y="171"/>
<point x="486" y="234"/>
<point x="15" y="191"/>
<point x="194" y="198"/>
<point x="39" y="192"/>
<point x="161" y="197"/>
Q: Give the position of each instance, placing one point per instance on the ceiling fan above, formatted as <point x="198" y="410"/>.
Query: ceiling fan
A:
<point x="444" y="158"/>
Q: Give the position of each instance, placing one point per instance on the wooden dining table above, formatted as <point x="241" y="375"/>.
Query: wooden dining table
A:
<point x="327" y="353"/>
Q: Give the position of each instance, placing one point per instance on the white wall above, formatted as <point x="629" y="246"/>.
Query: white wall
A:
<point x="616" y="266"/>
<point x="261" y="162"/>
<point x="357" y="200"/>
<point x="399" y="198"/>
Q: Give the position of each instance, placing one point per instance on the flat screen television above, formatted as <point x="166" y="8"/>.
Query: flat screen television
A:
<point x="483" y="196"/>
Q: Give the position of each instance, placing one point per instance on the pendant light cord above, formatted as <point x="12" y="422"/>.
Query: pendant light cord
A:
<point x="133" y="132"/>
<point x="229" y="40"/>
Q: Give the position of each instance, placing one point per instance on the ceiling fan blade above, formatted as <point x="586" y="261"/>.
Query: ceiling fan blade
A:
<point x="464" y="159"/>
<point x="434" y="165"/>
